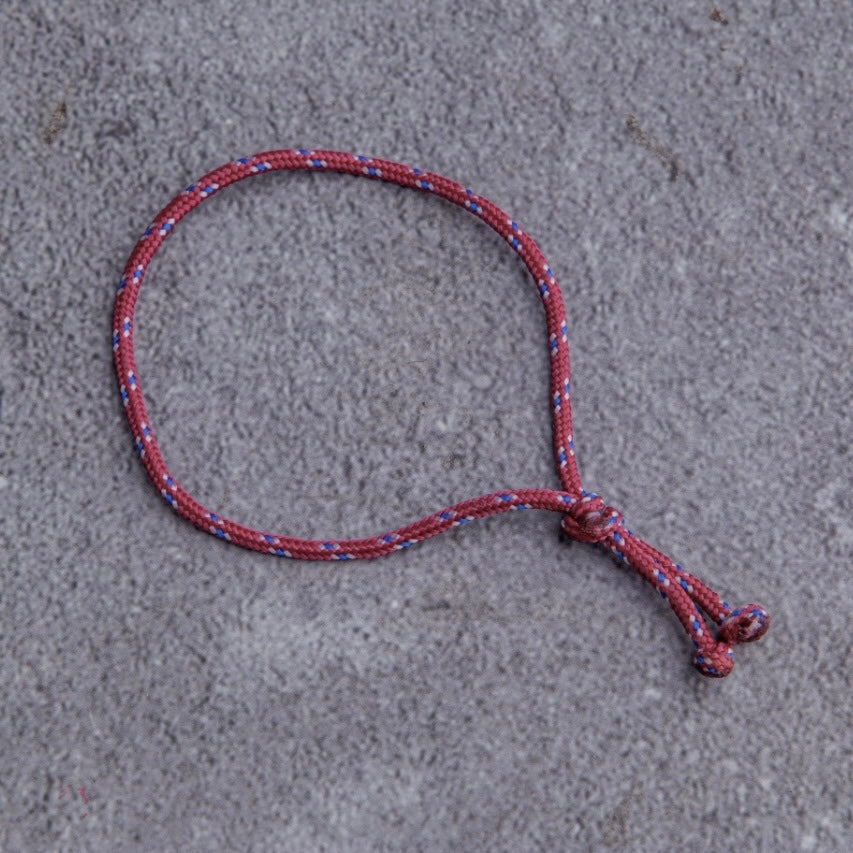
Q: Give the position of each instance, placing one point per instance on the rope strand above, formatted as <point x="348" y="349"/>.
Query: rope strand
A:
<point x="585" y="516"/>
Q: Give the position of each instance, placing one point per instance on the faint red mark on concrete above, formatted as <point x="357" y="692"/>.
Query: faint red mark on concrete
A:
<point x="73" y="793"/>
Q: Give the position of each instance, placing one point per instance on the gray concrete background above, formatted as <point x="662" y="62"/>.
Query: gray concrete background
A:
<point x="330" y="357"/>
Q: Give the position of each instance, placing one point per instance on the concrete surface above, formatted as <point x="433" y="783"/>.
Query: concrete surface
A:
<point x="331" y="357"/>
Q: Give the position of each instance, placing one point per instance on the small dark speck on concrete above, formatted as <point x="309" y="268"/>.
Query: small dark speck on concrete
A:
<point x="719" y="17"/>
<point x="661" y="151"/>
<point x="455" y="460"/>
<point x="56" y="121"/>
<point x="617" y="822"/>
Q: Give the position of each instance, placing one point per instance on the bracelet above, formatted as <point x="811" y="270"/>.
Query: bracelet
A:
<point x="585" y="516"/>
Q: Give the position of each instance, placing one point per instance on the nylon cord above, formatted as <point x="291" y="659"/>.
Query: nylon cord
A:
<point x="585" y="516"/>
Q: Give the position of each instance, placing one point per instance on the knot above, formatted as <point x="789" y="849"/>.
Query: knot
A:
<point x="744" y="625"/>
<point x="717" y="662"/>
<point x="589" y="519"/>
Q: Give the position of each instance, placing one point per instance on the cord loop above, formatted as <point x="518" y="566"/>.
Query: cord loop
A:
<point x="585" y="516"/>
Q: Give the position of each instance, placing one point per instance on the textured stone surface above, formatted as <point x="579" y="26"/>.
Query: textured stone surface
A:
<point x="330" y="357"/>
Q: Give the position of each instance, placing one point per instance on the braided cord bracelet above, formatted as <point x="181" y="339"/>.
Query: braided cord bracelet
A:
<point x="585" y="516"/>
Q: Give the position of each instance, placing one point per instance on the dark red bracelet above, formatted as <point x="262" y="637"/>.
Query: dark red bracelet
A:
<point x="585" y="516"/>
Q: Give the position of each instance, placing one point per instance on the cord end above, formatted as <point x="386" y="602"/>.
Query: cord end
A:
<point x="744" y="625"/>
<point x="717" y="663"/>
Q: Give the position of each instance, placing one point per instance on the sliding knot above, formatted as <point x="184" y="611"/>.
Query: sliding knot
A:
<point x="744" y="624"/>
<point x="589" y="519"/>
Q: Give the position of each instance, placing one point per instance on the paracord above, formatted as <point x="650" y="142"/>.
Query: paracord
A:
<point x="585" y="516"/>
